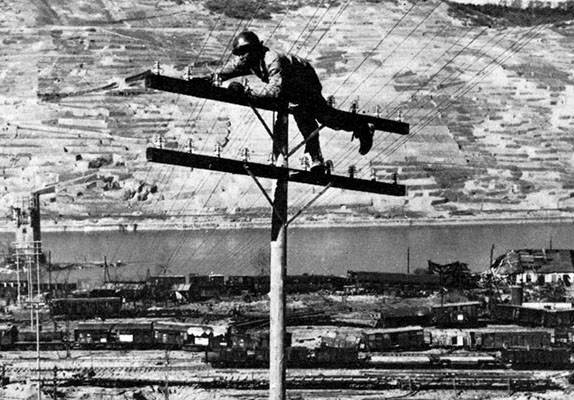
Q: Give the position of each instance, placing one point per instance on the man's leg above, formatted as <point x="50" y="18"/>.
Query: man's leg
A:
<point x="305" y="119"/>
<point x="337" y="120"/>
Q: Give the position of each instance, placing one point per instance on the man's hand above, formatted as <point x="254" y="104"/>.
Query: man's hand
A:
<point x="208" y="79"/>
<point x="241" y="91"/>
<point x="236" y="88"/>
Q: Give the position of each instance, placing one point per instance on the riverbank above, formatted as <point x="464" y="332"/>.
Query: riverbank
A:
<point x="334" y="220"/>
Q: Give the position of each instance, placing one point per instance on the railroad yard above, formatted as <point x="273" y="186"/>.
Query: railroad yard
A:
<point x="364" y="334"/>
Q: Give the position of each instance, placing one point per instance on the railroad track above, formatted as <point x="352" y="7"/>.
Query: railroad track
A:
<point x="296" y="379"/>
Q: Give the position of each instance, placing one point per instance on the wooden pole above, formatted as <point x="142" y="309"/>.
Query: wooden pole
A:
<point x="37" y="306"/>
<point x="55" y="384"/>
<point x="18" y="275"/>
<point x="278" y="265"/>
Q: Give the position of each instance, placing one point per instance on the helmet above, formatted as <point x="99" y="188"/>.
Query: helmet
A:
<point x="244" y="42"/>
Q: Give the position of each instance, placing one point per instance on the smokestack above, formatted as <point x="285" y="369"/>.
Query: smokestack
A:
<point x="516" y="295"/>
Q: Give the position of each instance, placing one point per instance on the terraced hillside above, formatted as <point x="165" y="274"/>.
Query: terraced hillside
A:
<point x="489" y="94"/>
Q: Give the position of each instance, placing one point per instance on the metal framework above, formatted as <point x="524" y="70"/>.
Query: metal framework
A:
<point x="282" y="174"/>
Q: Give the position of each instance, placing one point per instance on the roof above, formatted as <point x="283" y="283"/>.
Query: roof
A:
<point x="394" y="330"/>
<point x="462" y="304"/>
<point x="542" y="310"/>
<point x="544" y="261"/>
<point x="122" y="326"/>
<point x="123" y="286"/>
<point x="95" y="325"/>
<point x="216" y="330"/>
<point x="171" y="326"/>
<point x="86" y="299"/>
<point x="182" y="287"/>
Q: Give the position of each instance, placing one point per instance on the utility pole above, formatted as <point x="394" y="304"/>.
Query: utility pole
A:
<point x="166" y="383"/>
<point x="37" y="306"/>
<point x="281" y="172"/>
<point x="278" y="262"/>
<point x="50" y="274"/>
<point x="19" y="298"/>
<point x="55" y="384"/>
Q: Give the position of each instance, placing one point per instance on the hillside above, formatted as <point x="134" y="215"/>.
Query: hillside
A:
<point x="488" y="91"/>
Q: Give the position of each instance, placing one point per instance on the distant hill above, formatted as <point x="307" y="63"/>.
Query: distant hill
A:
<point x="488" y="91"/>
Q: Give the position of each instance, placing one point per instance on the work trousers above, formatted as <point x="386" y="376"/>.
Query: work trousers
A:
<point x="315" y="110"/>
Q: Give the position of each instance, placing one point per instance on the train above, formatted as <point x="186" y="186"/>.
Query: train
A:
<point x="348" y="358"/>
<point x="506" y="313"/>
<point x="123" y="299"/>
<point x="144" y="334"/>
<point x="296" y="357"/>
<point x="408" y="347"/>
<point x="118" y="335"/>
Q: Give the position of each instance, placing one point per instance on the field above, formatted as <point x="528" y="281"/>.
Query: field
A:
<point x="489" y="101"/>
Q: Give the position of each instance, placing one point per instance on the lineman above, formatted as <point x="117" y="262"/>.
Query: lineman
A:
<point x="291" y="78"/>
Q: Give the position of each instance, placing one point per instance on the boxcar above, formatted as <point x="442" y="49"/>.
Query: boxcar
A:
<point x="8" y="336"/>
<point x="93" y="335"/>
<point x="86" y="308"/>
<point x="536" y="358"/>
<point x="170" y="334"/>
<point x="500" y="339"/>
<point x="134" y="335"/>
<point x="456" y="314"/>
<point x="408" y="338"/>
<point x="48" y="340"/>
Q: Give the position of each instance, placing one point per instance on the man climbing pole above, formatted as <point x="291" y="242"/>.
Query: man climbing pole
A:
<point x="290" y="78"/>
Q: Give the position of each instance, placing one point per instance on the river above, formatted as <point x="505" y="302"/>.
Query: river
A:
<point x="310" y="250"/>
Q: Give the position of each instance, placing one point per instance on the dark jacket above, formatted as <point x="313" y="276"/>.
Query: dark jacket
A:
<point x="287" y="76"/>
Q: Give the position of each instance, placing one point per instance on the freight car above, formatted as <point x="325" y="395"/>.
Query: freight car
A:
<point x="142" y="334"/>
<point x="421" y="317"/>
<point x="307" y="283"/>
<point x="93" y="335"/>
<point x="11" y="338"/>
<point x="386" y="282"/>
<point x="49" y="340"/>
<point x="296" y="357"/>
<point x="423" y="360"/>
<point x="349" y="358"/>
<point x="109" y="335"/>
<point x="497" y="339"/>
<point x="457" y="314"/>
<point x="507" y="313"/>
<point x="8" y="335"/>
<point x="86" y="308"/>
<point x="488" y="339"/>
<point x="556" y="358"/>
<point x="134" y="335"/>
<point x="408" y="338"/>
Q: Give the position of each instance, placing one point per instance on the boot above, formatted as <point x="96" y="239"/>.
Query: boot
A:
<point x="318" y="167"/>
<point x="364" y="132"/>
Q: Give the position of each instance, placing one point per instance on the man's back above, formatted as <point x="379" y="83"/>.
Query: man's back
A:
<point x="285" y="75"/>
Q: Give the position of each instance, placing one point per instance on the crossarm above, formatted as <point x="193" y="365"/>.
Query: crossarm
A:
<point x="203" y="89"/>
<point x="184" y="159"/>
